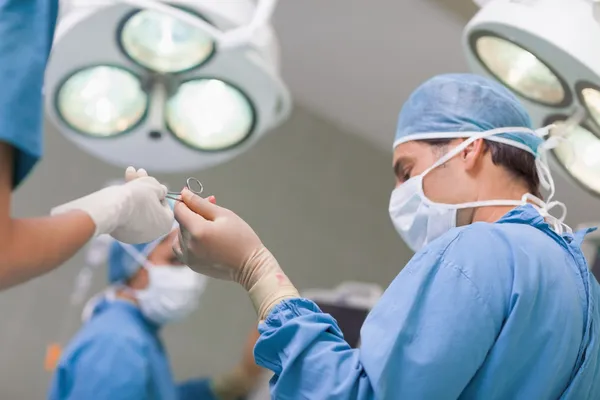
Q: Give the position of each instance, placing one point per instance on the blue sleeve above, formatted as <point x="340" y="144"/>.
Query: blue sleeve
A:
<point x="104" y="369"/>
<point x="195" y="389"/>
<point x="425" y="339"/>
<point x="26" y="32"/>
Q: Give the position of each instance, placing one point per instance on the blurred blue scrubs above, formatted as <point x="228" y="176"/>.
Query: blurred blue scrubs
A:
<point x="476" y="314"/>
<point x="26" y="33"/>
<point x="118" y="355"/>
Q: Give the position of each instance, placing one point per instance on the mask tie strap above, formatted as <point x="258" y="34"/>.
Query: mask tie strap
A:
<point x="554" y="135"/>
<point x="558" y="222"/>
<point x="544" y="208"/>
<point x="136" y="255"/>
<point x="545" y="175"/>
<point x="541" y="161"/>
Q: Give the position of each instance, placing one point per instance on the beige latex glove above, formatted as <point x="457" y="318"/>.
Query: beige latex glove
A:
<point x="216" y="242"/>
<point x="135" y="212"/>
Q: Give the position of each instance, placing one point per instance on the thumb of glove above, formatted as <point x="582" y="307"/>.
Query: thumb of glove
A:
<point x="205" y="208"/>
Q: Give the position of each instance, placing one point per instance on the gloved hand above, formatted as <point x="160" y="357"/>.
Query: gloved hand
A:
<point x="135" y="212"/>
<point x="131" y="173"/>
<point x="215" y="242"/>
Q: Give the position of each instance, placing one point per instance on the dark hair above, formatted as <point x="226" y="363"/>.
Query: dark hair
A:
<point x="517" y="162"/>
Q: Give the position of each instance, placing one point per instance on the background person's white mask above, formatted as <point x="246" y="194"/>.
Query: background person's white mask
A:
<point x="418" y="220"/>
<point x="173" y="293"/>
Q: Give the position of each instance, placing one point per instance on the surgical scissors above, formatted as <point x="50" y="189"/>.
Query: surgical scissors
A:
<point x="189" y="183"/>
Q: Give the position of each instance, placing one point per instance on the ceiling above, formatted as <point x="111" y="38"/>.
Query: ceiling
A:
<point x="354" y="62"/>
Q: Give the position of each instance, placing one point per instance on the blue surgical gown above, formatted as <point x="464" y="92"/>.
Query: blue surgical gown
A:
<point x="494" y="311"/>
<point x="26" y="33"/>
<point x="118" y="355"/>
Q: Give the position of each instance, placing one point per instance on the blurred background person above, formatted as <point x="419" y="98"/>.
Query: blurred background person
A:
<point x="118" y="354"/>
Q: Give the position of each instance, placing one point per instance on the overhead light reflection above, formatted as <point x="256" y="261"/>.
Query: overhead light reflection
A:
<point x="209" y="114"/>
<point x="520" y="70"/>
<point x="164" y="44"/>
<point x="102" y="101"/>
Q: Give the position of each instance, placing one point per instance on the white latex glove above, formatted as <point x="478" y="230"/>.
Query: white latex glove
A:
<point x="216" y="242"/>
<point x="135" y="212"/>
<point x="131" y="173"/>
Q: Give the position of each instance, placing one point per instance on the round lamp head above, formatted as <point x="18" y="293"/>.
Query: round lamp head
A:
<point x="101" y="101"/>
<point x="210" y="115"/>
<point x="540" y="50"/>
<point x="157" y="92"/>
<point x="163" y="43"/>
<point x="520" y="70"/>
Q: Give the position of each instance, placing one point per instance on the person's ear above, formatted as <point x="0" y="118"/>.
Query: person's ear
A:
<point x="472" y="154"/>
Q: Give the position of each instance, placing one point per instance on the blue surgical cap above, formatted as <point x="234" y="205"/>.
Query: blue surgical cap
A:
<point x="464" y="103"/>
<point x="121" y="264"/>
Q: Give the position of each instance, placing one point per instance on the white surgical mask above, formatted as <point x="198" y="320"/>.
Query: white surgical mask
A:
<point x="418" y="220"/>
<point x="173" y="293"/>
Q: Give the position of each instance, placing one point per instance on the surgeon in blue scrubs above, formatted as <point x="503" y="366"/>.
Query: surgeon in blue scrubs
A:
<point x="118" y="353"/>
<point x="497" y="302"/>
<point x="134" y="212"/>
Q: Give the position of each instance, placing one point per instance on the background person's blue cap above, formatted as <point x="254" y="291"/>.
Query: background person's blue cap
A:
<point x="464" y="103"/>
<point x="122" y="264"/>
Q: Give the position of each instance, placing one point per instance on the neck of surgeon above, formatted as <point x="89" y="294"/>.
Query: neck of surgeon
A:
<point x="499" y="184"/>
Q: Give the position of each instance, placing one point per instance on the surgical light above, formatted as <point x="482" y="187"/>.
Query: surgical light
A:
<point x="169" y="87"/>
<point x="520" y="70"/>
<point x="540" y="49"/>
<point x="163" y="43"/>
<point x="209" y="114"/>
<point x="578" y="156"/>
<point x="102" y="101"/>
